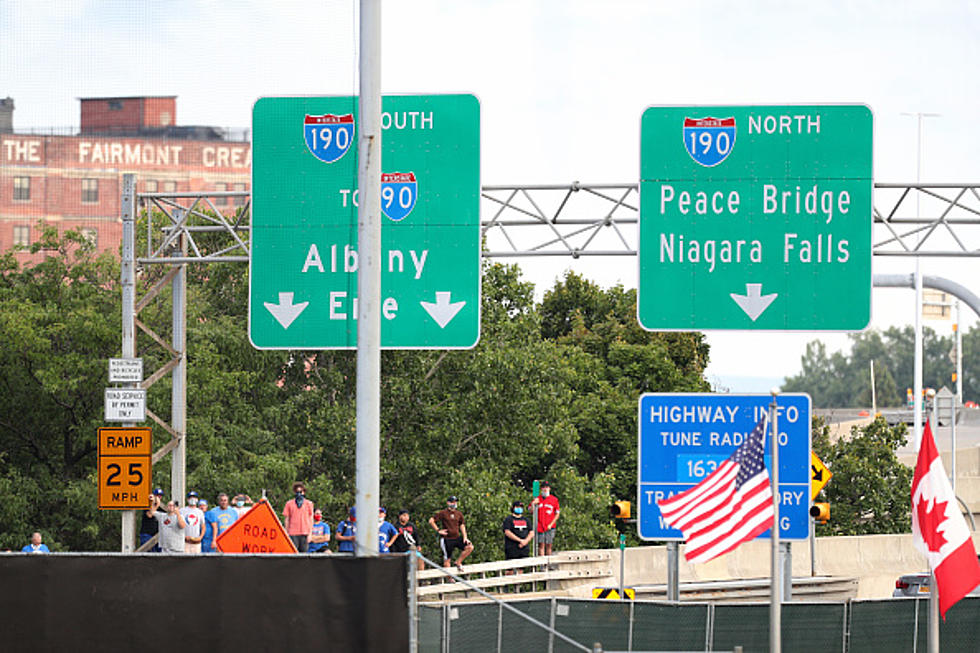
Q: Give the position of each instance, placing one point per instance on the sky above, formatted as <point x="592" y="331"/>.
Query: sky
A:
<point x="562" y="86"/>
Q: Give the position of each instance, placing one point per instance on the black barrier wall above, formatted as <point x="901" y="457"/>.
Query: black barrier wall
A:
<point x="64" y="602"/>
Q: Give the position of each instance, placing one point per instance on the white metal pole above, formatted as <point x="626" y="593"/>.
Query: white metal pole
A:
<point x="128" y="282"/>
<point x="874" y="398"/>
<point x="917" y="367"/>
<point x="369" y="280"/>
<point x="958" y="341"/>
<point x="775" y="590"/>
<point x="178" y="390"/>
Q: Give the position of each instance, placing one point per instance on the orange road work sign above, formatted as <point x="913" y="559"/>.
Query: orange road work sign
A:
<point x="257" y="531"/>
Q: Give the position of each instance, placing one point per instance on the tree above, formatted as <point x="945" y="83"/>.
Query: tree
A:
<point x="870" y="489"/>
<point x="842" y="379"/>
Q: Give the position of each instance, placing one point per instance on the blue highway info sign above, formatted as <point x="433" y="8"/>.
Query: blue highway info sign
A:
<point x="683" y="437"/>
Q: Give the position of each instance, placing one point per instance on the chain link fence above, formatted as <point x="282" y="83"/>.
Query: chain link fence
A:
<point x="646" y="626"/>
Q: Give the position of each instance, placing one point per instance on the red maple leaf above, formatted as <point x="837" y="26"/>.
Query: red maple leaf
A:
<point x="930" y="521"/>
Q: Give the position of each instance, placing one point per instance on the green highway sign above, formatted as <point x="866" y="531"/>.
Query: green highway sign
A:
<point x="304" y="258"/>
<point x="755" y="217"/>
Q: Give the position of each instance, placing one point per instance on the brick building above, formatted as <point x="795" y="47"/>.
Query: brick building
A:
<point x="74" y="181"/>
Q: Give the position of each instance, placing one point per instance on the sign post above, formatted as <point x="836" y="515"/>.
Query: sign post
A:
<point x="305" y="255"/>
<point x="755" y="217"/>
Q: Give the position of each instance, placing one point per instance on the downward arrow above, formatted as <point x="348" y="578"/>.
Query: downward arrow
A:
<point x="285" y="311"/>
<point x="443" y="311"/>
<point x="752" y="302"/>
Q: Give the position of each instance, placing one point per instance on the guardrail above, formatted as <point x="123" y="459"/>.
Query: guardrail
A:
<point x="554" y="574"/>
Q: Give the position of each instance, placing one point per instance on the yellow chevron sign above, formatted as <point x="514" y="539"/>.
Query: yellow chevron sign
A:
<point x="612" y="593"/>
<point x="819" y="475"/>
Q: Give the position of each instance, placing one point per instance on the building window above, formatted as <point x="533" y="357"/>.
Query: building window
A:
<point x="115" y="105"/>
<point x="240" y="200"/>
<point x="221" y="187"/>
<point x="90" y="191"/>
<point x="22" y="235"/>
<point x="170" y="187"/>
<point x="150" y="186"/>
<point x="22" y="188"/>
<point x="91" y="234"/>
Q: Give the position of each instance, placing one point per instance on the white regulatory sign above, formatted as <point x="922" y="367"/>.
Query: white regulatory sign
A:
<point x="125" y="370"/>
<point x="125" y="405"/>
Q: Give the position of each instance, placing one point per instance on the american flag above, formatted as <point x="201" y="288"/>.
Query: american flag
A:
<point x="732" y="505"/>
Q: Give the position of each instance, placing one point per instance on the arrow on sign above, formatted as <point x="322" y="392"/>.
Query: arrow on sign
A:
<point x="753" y="302"/>
<point x="817" y="473"/>
<point x="443" y="311"/>
<point x="285" y="311"/>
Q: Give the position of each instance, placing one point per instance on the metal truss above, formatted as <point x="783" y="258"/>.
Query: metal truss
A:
<point x="575" y="220"/>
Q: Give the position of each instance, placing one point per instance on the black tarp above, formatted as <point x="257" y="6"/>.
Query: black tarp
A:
<point x="155" y="602"/>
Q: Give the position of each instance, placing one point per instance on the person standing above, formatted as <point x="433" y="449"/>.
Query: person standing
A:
<point x="347" y="533"/>
<point x="547" y="506"/>
<point x="451" y="526"/>
<point x="148" y="525"/>
<point x="207" y="531"/>
<point x="194" y="516"/>
<point x="320" y="535"/>
<point x="386" y="532"/>
<point x="171" y="526"/>
<point x="517" y="533"/>
<point x="36" y="546"/>
<point x="220" y="517"/>
<point x="298" y="518"/>
<point x="407" y="536"/>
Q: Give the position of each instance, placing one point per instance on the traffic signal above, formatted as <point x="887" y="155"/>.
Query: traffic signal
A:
<point x="820" y="512"/>
<point x="620" y="510"/>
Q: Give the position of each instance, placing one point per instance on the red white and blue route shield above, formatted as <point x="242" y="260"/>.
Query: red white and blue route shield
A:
<point x="399" y="190"/>
<point x="328" y="137"/>
<point x="708" y="140"/>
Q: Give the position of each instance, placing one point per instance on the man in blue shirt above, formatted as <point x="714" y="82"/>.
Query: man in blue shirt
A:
<point x="347" y="533"/>
<point x="320" y="535"/>
<point x="386" y="532"/>
<point x="208" y="540"/>
<point x="35" y="546"/>
<point x="221" y="516"/>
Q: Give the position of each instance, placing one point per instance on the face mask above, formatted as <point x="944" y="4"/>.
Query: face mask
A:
<point x="239" y="503"/>
<point x="545" y="493"/>
<point x="452" y="506"/>
<point x="317" y="517"/>
<point x="518" y="511"/>
<point x="381" y="519"/>
<point x="192" y="501"/>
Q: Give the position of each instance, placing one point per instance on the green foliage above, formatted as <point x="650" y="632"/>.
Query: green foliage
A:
<point x="549" y="392"/>
<point x="841" y="380"/>
<point x="870" y="490"/>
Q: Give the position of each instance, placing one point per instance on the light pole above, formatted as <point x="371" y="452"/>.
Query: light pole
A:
<point x="917" y="381"/>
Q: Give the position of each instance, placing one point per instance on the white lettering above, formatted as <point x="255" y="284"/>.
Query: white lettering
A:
<point x="389" y="308"/>
<point x="313" y="259"/>
<point x="419" y="263"/>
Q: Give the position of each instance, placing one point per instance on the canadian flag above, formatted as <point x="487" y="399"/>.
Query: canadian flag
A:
<point x="939" y="530"/>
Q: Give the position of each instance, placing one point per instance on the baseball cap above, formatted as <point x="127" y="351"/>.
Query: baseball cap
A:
<point x="382" y="509"/>
<point x="517" y="503"/>
<point x="202" y="502"/>
<point x="352" y="512"/>
<point x="158" y="491"/>
<point x="452" y="499"/>
<point x="402" y="512"/>
<point x="545" y="484"/>
<point x="192" y="493"/>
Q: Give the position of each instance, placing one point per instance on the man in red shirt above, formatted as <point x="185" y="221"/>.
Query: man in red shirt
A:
<point x="298" y="518"/>
<point x="547" y="505"/>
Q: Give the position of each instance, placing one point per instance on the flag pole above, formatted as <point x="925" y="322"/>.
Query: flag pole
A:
<point x="933" y="646"/>
<point x="775" y="600"/>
